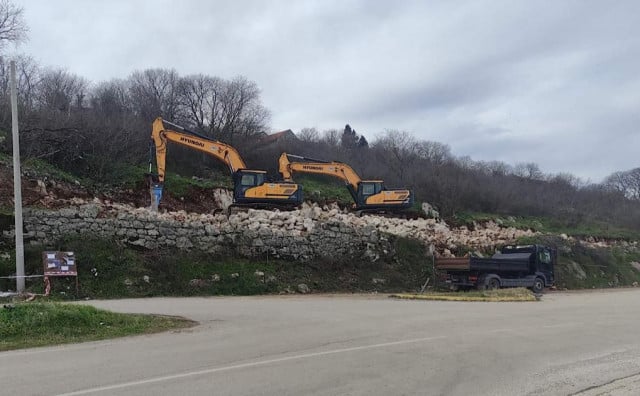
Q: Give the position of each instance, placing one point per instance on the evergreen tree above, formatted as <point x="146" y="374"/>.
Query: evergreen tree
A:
<point x="349" y="137"/>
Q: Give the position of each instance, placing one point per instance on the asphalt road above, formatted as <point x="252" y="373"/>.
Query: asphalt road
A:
<point x="577" y="343"/>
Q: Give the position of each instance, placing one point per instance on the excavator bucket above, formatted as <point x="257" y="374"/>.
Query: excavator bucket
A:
<point x="156" y="196"/>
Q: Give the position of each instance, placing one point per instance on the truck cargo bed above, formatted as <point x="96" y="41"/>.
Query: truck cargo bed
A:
<point x="452" y="264"/>
<point x="514" y="262"/>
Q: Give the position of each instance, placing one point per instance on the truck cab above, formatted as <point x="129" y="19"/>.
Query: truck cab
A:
<point x="541" y="259"/>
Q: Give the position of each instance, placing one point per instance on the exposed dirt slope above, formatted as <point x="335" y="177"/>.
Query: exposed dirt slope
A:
<point x="42" y="190"/>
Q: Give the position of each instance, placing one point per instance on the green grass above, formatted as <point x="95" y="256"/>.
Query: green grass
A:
<point x="28" y="325"/>
<point x="133" y="176"/>
<point x="43" y="167"/>
<point x="324" y="189"/>
<point x="126" y="176"/>
<point x="549" y="226"/>
<point x="110" y="269"/>
<point x="583" y="267"/>
<point x="5" y="159"/>
<point x="179" y="186"/>
<point x="501" y="295"/>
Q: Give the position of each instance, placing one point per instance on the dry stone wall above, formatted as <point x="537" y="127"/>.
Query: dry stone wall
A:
<point x="310" y="232"/>
<point x="250" y="234"/>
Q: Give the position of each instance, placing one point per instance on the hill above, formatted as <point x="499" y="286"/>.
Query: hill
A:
<point x="379" y="254"/>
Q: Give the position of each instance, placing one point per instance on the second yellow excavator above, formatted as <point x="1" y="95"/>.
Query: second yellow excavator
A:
<point x="250" y="187"/>
<point x="368" y="195"/>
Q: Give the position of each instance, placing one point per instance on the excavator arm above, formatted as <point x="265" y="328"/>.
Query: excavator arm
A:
<point x="307" y="165"/>
<point x="336" y="169"/>
<point x="160" y="136"/>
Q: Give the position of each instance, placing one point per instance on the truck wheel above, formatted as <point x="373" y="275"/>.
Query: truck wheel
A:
<point x="538" y="286"/>
<point x="493" y="284"/>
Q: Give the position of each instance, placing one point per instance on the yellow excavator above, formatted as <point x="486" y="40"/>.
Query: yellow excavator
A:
<point x="250" y="187"/>
<point x="368" y="195"/>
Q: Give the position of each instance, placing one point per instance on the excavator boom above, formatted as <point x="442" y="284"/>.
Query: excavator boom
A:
<point x="308" y="165"/>
<point x="222" y="151"/>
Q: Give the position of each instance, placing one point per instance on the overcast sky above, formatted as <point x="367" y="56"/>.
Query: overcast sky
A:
<point x="553" y="82"/>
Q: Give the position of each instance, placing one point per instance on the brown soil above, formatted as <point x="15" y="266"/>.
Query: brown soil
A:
<point x="42" y="191"/>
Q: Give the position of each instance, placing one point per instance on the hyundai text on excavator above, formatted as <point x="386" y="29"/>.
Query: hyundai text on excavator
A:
<point x="250" y="188"/>
<point x="368" y="195"/>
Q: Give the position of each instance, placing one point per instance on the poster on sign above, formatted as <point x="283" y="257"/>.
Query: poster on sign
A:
<point x="59" y="263"/>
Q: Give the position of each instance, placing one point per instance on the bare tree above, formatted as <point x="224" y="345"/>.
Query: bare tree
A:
<point x="399" y="150"/>
<point x="435" y="152"/>
<point x="154" y="92"/>
<point x="626" y="182"/>
<point x="331" y="137"/>
<point x="13" y="28"/>
<point x="253" y="120"/>
<point x="222" y="109"/>
<point x="240" y="112"/>
<point x="60" y="90"/>
<point x="498" y="168"/>
<point x="111" y="98"/>
<point x="28" y="74"/>
<point x="309" y="135"/>
<point x="200" y="96"/>
<point x="528" y="170"/>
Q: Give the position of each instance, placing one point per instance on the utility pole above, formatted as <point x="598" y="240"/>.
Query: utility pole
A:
<point x="17" y="181"/>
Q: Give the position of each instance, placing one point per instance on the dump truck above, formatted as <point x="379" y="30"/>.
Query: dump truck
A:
<point x="530" y="266"/>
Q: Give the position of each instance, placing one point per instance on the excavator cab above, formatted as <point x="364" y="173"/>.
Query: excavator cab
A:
<point x="372" y="194"/>
<point x="248" y="178"/>
<point x="250" y="187"/>
<point x="368" y="188"/>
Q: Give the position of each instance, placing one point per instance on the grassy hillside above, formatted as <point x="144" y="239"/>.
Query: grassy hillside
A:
<point x="581" y="266"/>
<point x="325" y="190"/>
<point x="583" y="229"/>
<point x="108" y="269"/>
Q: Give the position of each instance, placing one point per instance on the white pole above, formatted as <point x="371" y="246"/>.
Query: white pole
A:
<point x="17" y="190"/>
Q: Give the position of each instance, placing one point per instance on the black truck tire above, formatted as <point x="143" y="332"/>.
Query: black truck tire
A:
<point x="538" y="285"/>
<point x="493" y="284"/>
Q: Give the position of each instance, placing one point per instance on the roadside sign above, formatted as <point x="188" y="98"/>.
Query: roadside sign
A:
<point x="59" y="264"/>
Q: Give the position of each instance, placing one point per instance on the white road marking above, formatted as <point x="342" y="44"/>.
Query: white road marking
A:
<point x="246" y="365"/>
<point x="560" y="325"/>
